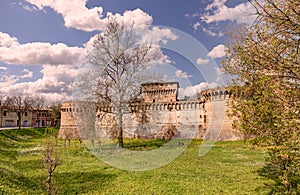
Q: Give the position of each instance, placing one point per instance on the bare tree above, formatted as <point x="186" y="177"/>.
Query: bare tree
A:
<point x="20" y="105"/>
<point x="37" y="105"/>
<point x="55" y="107"/>
<point x="119" y="63"/>
<point x="51" y="159"/>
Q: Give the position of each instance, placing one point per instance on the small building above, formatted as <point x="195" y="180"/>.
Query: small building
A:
<point x="9" y="118"/>
<point x="42" y="118"/>
<point x="37" y="118"/>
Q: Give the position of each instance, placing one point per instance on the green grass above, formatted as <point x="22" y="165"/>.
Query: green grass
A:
<point x="228" y="168"/>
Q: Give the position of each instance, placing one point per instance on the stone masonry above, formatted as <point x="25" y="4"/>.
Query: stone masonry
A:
<point x="160" y="114"/>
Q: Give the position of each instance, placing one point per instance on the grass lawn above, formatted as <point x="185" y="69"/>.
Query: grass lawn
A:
<point x="228" y="168"/>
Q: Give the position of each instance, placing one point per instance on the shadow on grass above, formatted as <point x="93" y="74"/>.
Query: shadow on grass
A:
<point x="14" y="182"/>
<point x="82" y="182"/>
<point x="277" y="187"/>
<point x="143" y="144"/>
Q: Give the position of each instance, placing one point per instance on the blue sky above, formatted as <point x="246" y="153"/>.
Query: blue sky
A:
<point x="42" y="42"/>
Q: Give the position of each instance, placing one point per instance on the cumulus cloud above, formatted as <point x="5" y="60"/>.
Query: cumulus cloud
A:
<point x="217" y="52"/>
<point x="56" y="83"/>
<point x="193" y="91"/>
<point x="26" y="74"/>
<point x="78" y="16"/>
<point x="201" y="61"/>
<point x="7" y="41"/>
<point x="217" y="14"/>
<point x="182" y="75"/>
<point x="58" y="62"/>
<point x="137" y="16"/>
<point x="12" y="52"/>
<point x="217" y="11"/>
<point x="75" y="13"/>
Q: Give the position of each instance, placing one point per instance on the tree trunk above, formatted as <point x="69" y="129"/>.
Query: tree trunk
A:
<point x="120" y="128"/>
<point x="19" y="118"/>
<point x="120" y="137"/>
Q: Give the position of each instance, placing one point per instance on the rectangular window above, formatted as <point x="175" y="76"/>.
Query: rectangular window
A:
<point x="9" y="123"/>
<point x="4" y="113"/>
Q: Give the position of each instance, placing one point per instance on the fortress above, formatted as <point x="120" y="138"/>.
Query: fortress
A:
<point x="158" y="114"/>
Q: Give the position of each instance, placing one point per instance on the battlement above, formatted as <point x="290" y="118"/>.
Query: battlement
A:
<point x="160" y="92"/>
<point x="218" y="94"/>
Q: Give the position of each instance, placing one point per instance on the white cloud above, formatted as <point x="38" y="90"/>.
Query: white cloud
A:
<point x="214" y="16"/>
<point x="219" y="74"/>
<point x="217" y="52"/>
<point x="212" y="33"/>
<point x="6" y="40"/>
<point x="59" y="66"/>
<point x="196" y="25"/>
<point x="192" y="91"/>
<point x="181" y="74"/>
<point x="26" y="74"/>
<point x="28" y="7"/>
<point x="241" y="13"/>
<point x="56" y="83"/>
<point x="78" y="16"/>
<point x="216" y="4"/>
<point x="59" y="62"/>
<point x="201" y="61"/>
<point x="74" y="12"/>
<point x="39" y="53"/>
<point x="3" y="68"/>
<point x="137" y="16"/>
<point x="157" y="35"/>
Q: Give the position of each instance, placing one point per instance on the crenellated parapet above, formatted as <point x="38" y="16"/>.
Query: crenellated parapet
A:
<point x="160" y="92"/>
<point x="217" y="94"/>
<point x="169" y="106"/>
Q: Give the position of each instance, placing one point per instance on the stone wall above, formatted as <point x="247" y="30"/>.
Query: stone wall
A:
<point x="205" y="117"/>
<point x="219" y="124"/>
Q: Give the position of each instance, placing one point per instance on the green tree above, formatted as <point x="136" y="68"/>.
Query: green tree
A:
<point x="264" y="62"/>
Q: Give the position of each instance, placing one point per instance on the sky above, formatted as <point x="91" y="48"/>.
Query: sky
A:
<point x="43" y="42"/>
